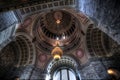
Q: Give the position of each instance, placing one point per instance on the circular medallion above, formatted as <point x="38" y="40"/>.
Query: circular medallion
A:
<point x="42" y="57"/>
<point x="80" y="53"/>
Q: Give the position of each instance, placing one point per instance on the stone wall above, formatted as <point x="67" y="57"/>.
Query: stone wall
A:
<point x="105" y="13"/>
<point x="97" y="68"/>
<point x="7" y="19"/>
<point x="93" y="70"/>
<point x="31" y="72"/>
<point x="8" y="22"/>
<point x="7" y="35"/>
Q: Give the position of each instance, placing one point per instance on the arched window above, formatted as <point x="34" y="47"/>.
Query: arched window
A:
<point x="63" y="69"/>
<point x="64" y="74"/>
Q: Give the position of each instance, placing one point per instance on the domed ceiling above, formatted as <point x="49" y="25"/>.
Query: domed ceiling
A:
<point x="58" y="26"/>
<point x="64" y="25"/>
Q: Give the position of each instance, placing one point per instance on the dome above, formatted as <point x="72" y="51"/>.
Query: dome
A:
<point x="47" y="31"/>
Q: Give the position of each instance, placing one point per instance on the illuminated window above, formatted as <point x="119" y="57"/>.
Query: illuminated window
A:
<point x="64" y="74"/>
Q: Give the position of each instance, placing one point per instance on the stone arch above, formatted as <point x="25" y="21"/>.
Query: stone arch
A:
<point x="26" y="48"/>
<point x="65" y="62"/>
<point x="98" y="43"/>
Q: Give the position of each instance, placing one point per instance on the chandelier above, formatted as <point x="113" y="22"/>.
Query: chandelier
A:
<point x="57" y="52"/>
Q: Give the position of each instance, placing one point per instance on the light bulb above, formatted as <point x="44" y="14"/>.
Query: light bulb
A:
<point x="57" y="38"/>
<point x="58" y="21"/>
<point x="63" y="37"/>
<point x="110" y="71"/>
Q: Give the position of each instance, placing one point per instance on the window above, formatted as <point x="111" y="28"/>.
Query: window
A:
<point x="64" y="74"/>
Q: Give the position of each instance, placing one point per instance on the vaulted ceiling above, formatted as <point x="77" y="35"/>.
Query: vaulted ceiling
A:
<point x="87" y="29"/>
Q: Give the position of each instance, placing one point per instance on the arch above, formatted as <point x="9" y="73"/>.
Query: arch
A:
<point x="98" y="43"/>
<point x="26" y="48"/>
<point x="66" y="62"/>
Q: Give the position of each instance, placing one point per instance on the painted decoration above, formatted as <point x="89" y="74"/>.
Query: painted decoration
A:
<point x="27" y="22"/>
<point x="42" y="58"/>
<point x="80" y="53"/>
